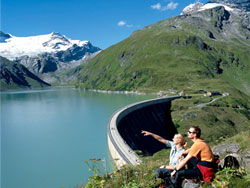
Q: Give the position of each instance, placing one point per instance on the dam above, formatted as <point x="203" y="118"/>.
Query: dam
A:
<point x="125" y="126"/>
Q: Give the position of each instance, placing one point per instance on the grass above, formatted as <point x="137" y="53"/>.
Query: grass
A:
<point x="242" y="139"/>
<point x="143" y="176"/>
<point x="222" y="118"/>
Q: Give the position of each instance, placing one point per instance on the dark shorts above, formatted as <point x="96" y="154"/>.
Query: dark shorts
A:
<point x="162" y="172"/>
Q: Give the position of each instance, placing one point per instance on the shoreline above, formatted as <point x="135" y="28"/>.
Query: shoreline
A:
<point x="158" y="93"/>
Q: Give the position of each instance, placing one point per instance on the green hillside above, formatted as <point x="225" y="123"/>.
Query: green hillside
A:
<point x="195" y="53"/>
<point x="184" y="52"/>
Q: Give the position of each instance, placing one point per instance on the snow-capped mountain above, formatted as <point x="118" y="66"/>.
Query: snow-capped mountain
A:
<point x="192" y="8"/>
<point x="229" y="5"/>
<point x="13" y="47"/>
<point x="238" y="4"/>
<point x="46" y="53"/>
<point x="195" y="7"/>
<point x="239" y="8"/>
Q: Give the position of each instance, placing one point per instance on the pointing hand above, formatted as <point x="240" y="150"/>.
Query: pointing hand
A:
<point x="145" y="133"/>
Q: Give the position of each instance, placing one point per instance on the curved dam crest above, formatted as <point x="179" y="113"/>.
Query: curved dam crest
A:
<point x="125" y="125"/>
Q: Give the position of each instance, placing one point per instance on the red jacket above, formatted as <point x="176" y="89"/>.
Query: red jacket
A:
<point x="207" y="169"/>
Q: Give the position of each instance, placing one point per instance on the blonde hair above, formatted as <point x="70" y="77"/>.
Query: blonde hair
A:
<point x="182" y="139"/>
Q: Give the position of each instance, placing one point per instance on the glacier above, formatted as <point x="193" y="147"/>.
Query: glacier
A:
<point x="13" y="47"/>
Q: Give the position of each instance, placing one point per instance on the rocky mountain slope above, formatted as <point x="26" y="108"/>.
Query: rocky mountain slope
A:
<point x="239" y="4"/>
<point x="16" y="76"/>
<point x="52" y="53"/>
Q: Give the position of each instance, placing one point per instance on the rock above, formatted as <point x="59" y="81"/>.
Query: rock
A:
<point x="236" y="160"/>
<point x="234" y="157"/>
<point x="16" y="76"/>
<point x="242" y="160"/>
<point x="4" y="36"/>
<point x="219" y="16"/>
<point x="188" y="184"/>
<point x="232" y="160"/>
<point x="240" y="4"/>
<point x="246" y="161"/>
<point x="52" y="62"/>
<point x="226" y="148"/>
<point x="197" y="41"/>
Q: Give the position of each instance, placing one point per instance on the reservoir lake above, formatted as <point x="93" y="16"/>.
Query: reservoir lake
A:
<point x="46" y="135"/>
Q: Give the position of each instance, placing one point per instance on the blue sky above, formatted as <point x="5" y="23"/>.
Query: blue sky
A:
<point x="102" y="22"/>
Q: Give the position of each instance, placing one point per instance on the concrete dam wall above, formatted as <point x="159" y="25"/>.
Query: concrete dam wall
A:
<point x="124" y="129"/>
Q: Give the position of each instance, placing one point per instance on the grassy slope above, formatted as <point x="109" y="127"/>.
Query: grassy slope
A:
<point x="173" y="54"/>
<point x="221" y="119"/>
<point x="161" y="57"/>
<point x="142" y="175"/>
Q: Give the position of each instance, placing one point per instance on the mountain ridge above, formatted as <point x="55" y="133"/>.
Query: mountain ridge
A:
<point x="16" y="76"/>
<point x="48" y="55"/>
<point x="240" y="4"/>
<point x="14" y="47"/>
<point x="241" y="8"/>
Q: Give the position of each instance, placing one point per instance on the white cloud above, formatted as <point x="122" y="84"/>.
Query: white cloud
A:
<point x="169" y="6"/>
<point x="121" y="23"/>
<point x="156" y="6"/>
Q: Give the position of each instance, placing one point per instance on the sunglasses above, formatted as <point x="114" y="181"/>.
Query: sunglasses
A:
<point x="191" y="132"/>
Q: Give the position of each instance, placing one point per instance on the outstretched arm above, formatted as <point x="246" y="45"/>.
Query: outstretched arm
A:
<point x="155" y="136"/>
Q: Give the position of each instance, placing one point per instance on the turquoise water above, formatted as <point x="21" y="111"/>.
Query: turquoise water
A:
<point x="46" y="135"/>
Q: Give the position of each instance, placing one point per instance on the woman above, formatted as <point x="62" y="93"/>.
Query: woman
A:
<point x="178" y="145"/>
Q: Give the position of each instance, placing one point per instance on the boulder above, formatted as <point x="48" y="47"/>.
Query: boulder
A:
<point x="191" y="185"/>
<point x="226" y="148"/>
<point x="234" y="157"/>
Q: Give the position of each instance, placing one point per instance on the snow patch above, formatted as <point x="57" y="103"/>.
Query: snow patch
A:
<point x="196" y="7"/>
<point x="32" y="46"/>
<point x="213" y="5"/>
<point x="192" y="7"/>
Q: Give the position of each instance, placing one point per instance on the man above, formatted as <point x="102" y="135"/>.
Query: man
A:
<point x="199" y="157"/>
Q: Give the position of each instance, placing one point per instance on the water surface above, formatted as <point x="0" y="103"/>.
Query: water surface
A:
<point x="47" y="134"/>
